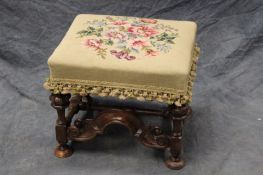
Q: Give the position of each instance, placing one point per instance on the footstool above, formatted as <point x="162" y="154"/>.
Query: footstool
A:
<point x="128" y="58"/>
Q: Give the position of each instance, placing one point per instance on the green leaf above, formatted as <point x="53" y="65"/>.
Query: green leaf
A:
<point x="170" y="38"/>
<point x="125" y="49"/>
<point x="102" y="53"/>
<point x="82" y="33"/>
<point x="145" y="48"/>
<point x="170" y="41"/>
<point x="164" y="34"/>
<point x="108" y="42"/>
<point x="91" y="28"/>
<point x="153" y="43"/>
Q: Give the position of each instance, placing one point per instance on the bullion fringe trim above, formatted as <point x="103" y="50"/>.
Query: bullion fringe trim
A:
<point x="126" y="91"/>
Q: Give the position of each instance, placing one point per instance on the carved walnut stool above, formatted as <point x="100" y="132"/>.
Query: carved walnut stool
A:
<point x="124" y="57"/>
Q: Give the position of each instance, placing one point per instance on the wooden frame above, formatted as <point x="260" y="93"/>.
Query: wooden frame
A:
<point x="84" y="129"/>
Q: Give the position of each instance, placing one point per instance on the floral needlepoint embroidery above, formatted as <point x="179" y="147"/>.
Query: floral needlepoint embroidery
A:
<point x="128" y="38"/>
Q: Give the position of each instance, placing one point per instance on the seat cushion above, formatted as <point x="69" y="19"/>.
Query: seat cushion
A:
<point x="141" y="58"/>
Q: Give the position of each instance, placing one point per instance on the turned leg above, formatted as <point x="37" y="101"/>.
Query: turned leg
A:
<point x="60" y="102"/>
<point x="177" y="116"/>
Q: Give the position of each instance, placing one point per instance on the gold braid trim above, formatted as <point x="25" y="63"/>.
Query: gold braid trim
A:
<point x="125" y="91"/>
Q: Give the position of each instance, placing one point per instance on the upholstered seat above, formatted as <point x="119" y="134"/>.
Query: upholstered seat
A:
<point x="126" y="57"/>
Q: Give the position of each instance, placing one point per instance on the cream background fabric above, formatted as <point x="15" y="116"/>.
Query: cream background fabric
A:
<point x="72" y="60"/>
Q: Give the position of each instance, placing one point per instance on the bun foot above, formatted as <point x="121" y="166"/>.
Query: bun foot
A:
<point x="174" y="164"/>
<point x="63" y="151"/>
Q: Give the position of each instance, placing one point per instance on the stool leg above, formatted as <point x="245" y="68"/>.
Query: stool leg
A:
<point x="60" y="102"/>
<point x="177" y="117"/>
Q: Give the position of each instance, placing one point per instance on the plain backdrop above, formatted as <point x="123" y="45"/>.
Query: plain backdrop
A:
<point x="225" y="134"/>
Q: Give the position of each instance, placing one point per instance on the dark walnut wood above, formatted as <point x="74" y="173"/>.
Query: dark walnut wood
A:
<point x="60" y="103"/>
<point x="87" y="128"/>
<point x="177" y="115"/>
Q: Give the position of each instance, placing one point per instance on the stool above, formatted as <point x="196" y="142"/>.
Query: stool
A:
<point x="128" y="58"/>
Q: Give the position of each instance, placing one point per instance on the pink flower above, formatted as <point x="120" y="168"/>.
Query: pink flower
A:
<point x="92" y="43"/>
<point x="147" y="20"/>
<point x="115" y="35"/>
<point x="119" y="22"/>
<point x="151" y="52"/>
<point x="131" y="29"/>
<point x="146" y="31"/>
<point x="142" y="30"/>
<point x="139" y="43"/>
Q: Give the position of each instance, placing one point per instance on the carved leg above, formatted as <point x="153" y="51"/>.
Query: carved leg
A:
<point x="60" y="102"/>
<point x="177" y="116"/>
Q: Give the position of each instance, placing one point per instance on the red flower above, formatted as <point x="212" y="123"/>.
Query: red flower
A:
<point x="147" y="20"/>
<point x="131" y="29"/>
<point x="143" y="30"/>
<point x="146" y="31"/>
<point x="119" y="22"/>
<point x="92" y="43"/>
<point x="138" y="43"/>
